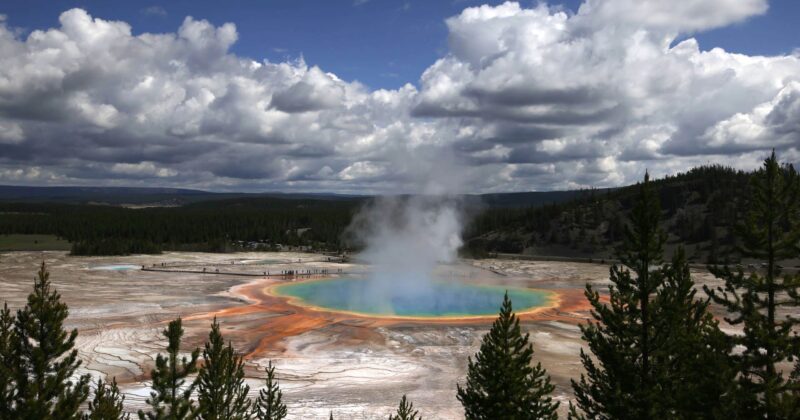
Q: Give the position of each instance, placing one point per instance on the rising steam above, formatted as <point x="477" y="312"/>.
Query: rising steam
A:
<point x="404" y="238"/>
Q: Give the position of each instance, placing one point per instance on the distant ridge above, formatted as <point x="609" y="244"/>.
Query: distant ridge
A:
<point x="536" y="198"/>
<point x="136" y="195"/>
<point x="109" y="195"/>
<point x="15" y="191"/>
<point x="158" y="196"/>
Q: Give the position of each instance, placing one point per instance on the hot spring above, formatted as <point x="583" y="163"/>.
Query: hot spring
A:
<point x="406" y="242"/>
<point x="441" y="299"/>
<point x="116" y="267"/>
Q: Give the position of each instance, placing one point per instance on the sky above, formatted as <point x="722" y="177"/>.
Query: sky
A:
<point x="373" y="96"/>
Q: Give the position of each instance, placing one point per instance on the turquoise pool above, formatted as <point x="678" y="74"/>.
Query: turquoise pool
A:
<point x="117" y="267"/>
<point x="443" y="299"/>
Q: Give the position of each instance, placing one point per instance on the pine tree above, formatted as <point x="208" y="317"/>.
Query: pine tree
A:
<point x="170" y="399"/>
<point x="501" y="383"/>
<point x="268" y="405"/>
<point x="405" y="411"/>
<point x="658" y="352"/>
<point x="620" y="384"/>
<point x="7" y="388"/>
<point x="221" y="389"/>
<point x="791" y="404"/>
<point x="770" y="233"/>
<point x="107" y="402"/>
<point x="692" y="366"/>
<point x="43" y="358"/>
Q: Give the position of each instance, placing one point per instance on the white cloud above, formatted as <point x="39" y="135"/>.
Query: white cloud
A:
<point x="154" y="11"/>
<point x="775" y="123"/>
<point x="676" y="16"/>
<point x="142" y="169"/>
<point x="526" y="98"/>
<point x="315" y="91"/>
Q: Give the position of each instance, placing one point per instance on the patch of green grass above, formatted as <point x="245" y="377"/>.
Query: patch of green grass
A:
<point x="33" y="243"/>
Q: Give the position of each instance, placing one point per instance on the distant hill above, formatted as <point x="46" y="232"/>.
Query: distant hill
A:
<point x="124" y="196"/>
<point x="699" y="209"/>
<point x="170" y="197"/>
<point x="534" y="199"/>
<point x="105" y="195"/>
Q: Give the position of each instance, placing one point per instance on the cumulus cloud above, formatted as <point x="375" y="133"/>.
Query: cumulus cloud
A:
<point x="609" y="89"/>
<point x="775" y="123"/>
<point x="316" y="91"/>
<point x="525" y="98"/>
<point x="680" y="16"/>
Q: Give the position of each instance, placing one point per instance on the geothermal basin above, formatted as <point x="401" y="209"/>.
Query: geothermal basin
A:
<point x="354" y="361"/>
<point x="439" y="299"/>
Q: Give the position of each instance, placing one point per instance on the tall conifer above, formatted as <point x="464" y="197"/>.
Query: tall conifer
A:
<point x="171" y="397"/>
<point x="692" y="365"/>
<point x="501" y="383"/>
<point x="618" y="383"/>
<point x="221" y="389"/>
<point x="770" y="233"/>
<point x="44" y="360"/>
<point x="269" y="406"/>
<point x="7" y="338"/>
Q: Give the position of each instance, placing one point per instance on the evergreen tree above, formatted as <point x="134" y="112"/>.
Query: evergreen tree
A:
<point x="770" y="233"/>
<point x="43" y="358"/>
<point x="405" y="411"/>
<point x="170" y="399"/>
<point x="107" y="403"/>
<point x="7" y="388"/>
<point x="221" y="389"/>
<point x="692" y="366"/>
<point x="501" y="383"/>
<point x="791" y="404"/>
<point x="658" y="352"/>
<point x="268" y="405"/>
<point x="620" y="384"/>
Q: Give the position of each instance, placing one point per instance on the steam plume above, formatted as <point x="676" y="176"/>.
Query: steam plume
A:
<point x="404" y="238"/>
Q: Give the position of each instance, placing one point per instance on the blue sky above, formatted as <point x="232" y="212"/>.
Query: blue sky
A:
<point x="382" y="43"/>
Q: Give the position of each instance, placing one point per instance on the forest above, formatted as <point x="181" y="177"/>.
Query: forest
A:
<point x="213" y="226"/>
<point x="700" y="208"/>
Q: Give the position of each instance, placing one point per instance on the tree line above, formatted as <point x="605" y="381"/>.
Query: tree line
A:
<point x="701" y="208"/>
<point x="654" y="348"/>
<point x="206" y="226"/>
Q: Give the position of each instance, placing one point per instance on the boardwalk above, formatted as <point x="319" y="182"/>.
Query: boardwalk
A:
<point x="270" y="273"/>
